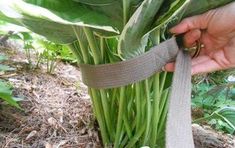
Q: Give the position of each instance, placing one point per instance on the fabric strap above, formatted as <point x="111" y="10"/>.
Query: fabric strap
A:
<point x="178" y="128"/>
<point x="130" y="71"/>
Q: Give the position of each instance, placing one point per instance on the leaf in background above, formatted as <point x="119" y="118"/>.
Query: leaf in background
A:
<point x="6" y="68"/>
<point x="56" y="18"/>
<point x="228" y="115"/>
<point x="3" y="58"/>
<point x="26" y="36"/>
<point x="9" y="99"/>
<point x="6" y="94"/>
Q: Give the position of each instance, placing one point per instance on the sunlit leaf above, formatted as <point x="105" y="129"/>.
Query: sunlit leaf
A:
<point x="6" y="68"/>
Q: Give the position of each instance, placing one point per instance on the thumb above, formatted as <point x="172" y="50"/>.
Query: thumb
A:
<point x="191" y="23"/>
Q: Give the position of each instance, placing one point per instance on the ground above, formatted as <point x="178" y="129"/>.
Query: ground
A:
<point x="56" y="108"/>
<point x="57" y="111"/>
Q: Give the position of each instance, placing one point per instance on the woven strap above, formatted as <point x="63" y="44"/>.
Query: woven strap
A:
<point x="130" y="71"/>
<point x="178" y="129"/>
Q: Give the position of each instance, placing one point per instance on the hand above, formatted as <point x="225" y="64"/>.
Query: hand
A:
<point x="216" y="30"/>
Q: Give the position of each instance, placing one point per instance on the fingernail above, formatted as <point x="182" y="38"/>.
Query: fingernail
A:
<point x="163" y="68"/>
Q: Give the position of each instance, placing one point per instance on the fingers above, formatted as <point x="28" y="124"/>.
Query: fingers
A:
<point x="194" y="22"/>
<point x="191" y="37"/>
<point x="202" y="64"/>
<point x="205" y="67"/>
<point x="191" y="23"/>
<point x="170" y="67"/>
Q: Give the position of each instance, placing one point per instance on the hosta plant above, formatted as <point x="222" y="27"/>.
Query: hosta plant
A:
<point x="108" y="31"/>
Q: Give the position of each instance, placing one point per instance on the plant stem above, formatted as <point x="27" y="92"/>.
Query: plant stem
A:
<point x="163" y="79"/>
<point x="155" y="115"/>
<point x="202" y="119"/>
<point x="82" y="45"/>
<point x="102" y="48"/>
<point x="135" y="139"/>
<point x="126" y="7"/>
<point x="93" y="45"/>
<point x="163" y="110"/>
<point x="148" y="112"/>
<point x="75" y="52"/>
<point x="100" y="118"/>
<point x="120" y="117"/>
<point x="138" y="106"/>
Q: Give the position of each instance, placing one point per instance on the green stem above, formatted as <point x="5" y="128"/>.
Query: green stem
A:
<point x="155" y="115"/>
<point x="202" y="119"/>
<point x="164" y="97"/>
<point x="75" y="52"/>
<point x="107" y="116"/>
<point x="84" y="50"/>
<point x="102" y="48"/>
<point x="148" y="112"/>
<point x="100" y="118"/>
<point x="120" y="117"/>
<point x="138" y="105"/>
<point x="126" y="7"/>
<point x="93" y="45"/>
<point x="163" y="110"/>
<point x="135" y="139"/>
<point x="163" y="79"/>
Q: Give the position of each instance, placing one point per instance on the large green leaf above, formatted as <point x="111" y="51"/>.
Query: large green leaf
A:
<point x="196" y="7"/>
<point x="56" y="18"/>
<point x="199" y="6"/>
<point x="134" y="37"/>
<point x="131" y="43"/>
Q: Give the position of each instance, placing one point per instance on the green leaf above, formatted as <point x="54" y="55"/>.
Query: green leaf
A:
<point x="5" y="87"/>
<point x="6" y="94"/>
<point x="131" y="43"/>
<point x="9" y="99"/>
<point x="3" y="58"/>
<point x="6" y="68"/>
<point x="228" y="114"/>
<point x="200" y="6"/>
<point x="5" y="28"/>
<point x="26" y="36"/>
<point x="168" y="14"/>
<point x="56" y="18"/>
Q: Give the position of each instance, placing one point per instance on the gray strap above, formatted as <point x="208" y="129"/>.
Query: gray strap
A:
<point x="130" y="71"/>
<point x="178" y="129"/>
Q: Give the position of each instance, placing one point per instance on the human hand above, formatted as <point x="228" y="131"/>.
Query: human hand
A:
<point x="216" y="31"/>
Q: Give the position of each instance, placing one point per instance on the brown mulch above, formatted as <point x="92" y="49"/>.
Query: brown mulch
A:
<point x="56" y="108"/>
